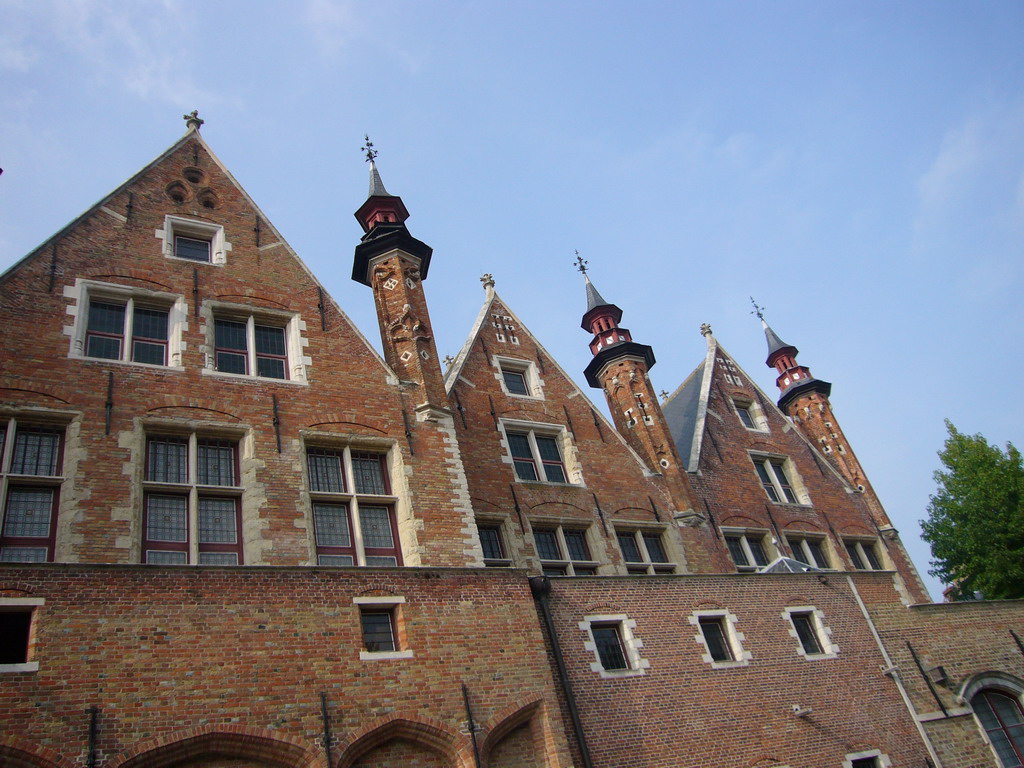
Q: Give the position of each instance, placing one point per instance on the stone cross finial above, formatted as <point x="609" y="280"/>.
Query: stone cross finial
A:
<point x="759" y="311"/>
<point x="368" y="149"/>
<point x="192" y="120"/>
<point x="580" y="263"/>
<point x="487" y="279"/>
<point x="705" y="329"/>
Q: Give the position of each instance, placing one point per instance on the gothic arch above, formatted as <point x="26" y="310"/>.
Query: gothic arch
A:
<point x="255" y="744"/>
<point x="419" y="730"/>
<point x="507" y="721"/>
<point x="990" y="679"/>
<point x="18" y="753"/>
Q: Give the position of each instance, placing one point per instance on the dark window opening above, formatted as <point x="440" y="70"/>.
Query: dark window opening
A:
<point x="608" y="640"/>
<point x="713" y="629"/>
<point x="378" y="630"/>
<point x="15" y="628"/>
<point x="806" y="632"/>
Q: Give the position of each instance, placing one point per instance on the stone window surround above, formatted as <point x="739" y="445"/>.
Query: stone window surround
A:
<point x="638" y="531"/>
<point x="631" y="645"/>
<point x="534" y="383"/>
<point x="883" y="759"/>
<point x="295" y="340"/>
<point x="23" y="605"/>
<point x="394" y="605"/>
<point x="196" y="228"/>
<point x="567" y="448"/>
<point x="84" y="291"/>
<point x="759" y="534"/>
<point x="560" y="526"/>
<point x="792" y="537"/>
<point x="733" y="636"/>
<point x="796" y="483"/>
<point x="822" y="631"/>
<point x="753" y="408"/>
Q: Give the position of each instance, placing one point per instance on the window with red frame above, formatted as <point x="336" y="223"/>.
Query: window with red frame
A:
<point x="192" y="501"/>
<point x="353" y="508"/>
<point x="31" y="457"/>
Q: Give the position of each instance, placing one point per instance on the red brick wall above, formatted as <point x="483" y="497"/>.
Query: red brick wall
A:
<point x="165" y="652"/>
<point x="682" y="712"/>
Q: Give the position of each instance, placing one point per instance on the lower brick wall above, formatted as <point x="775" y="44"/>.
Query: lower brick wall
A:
<point x="183" y="662"/>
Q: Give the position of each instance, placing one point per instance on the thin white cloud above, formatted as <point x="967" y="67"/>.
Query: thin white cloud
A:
<point x="958" y="158"/>
<point x="332" y="24"/>
<point x="139" y="47"/>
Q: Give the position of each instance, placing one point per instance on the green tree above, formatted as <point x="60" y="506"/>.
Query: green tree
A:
<point x="975" y="522"/>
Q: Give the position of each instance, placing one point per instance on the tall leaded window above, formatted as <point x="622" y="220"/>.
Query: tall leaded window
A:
<point x="1000" y="715"/>
<point x="863" y="554"/>
<point x="644" y="552"/>
<point x="809" y="550"/>
<point x="493" y="543"/>
<point x="608" y="642"/>
<point x="775" y="479"/>
<point x="536" y="456"/>
<point x="30" y="479"/>
<point x="192" y="500"/>
<point x="747" y="549"/>
<point x="353" y="508"/>
<point x="247" y="346"/>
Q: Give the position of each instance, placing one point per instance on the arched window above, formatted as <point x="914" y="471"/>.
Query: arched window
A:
<point x="1000" y="715"/>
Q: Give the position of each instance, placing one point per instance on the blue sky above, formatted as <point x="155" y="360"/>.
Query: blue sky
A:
<point x="856" y="167"/>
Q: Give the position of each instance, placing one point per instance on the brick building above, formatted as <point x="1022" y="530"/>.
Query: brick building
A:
<point x="235" y="535"/>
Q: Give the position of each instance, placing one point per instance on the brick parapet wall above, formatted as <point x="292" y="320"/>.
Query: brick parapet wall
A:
<point x="169" y="652"/>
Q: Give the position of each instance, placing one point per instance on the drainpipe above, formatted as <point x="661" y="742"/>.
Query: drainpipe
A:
<point x="894" y="674"/>
<point x="540" y="586"/>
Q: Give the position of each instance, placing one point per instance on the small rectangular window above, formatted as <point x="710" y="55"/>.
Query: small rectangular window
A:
<point x="608" y="640"/>
<point x="246" y="346"/>
<point x="644" y="552"/>
<point x="713" y="629"/>
<point x="515" y="382"/>
<point x="747" y="550"/>
<point x="806" y="632"/>
<point x="15" y="632"/>
<point x="191" y="248"/>
<point x="775" y="480"/>
<point x="493" y="545"/>
<point x="745" y="417"/>
<point x="809" y="550"/>
<point x="536" y="456"/>
<point x="231" y="349"/>
<point x="563" y="552"/>
<point x="864" y="762"/>
<point x="863" y="554"/>
<point x="378" y="629"/>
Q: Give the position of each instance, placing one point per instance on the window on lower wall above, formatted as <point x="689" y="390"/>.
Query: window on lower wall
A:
<point x="563" y="551"/>
<point x="999" y="713"/>
<point x="721" y="640"/>
<point x="353" y="507"/>
<point x="192" y="501"/>
<point x="870" y="758"/>
<point x="807" y="626"/>
<point x="863" y="554"/>
<point x="31" y="461"/>
<point x="644" y="552"/>
<point x="616" y="648"/>
<point x="747" y="549"/>
<point x="809" y="550"/>
<point x="382" y="628"/>
<point x="17" y="617"/>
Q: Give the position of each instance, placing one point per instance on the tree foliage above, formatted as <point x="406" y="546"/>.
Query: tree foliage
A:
<point x="975" y="522"/>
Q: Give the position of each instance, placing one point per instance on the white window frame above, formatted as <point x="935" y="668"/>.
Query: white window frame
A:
<point x="883" y="759"/>
<point x="796" y="483"/>
<point x="528" y="369"/>
<point x="197" y="229"/>
<point x="296" y="341"/>
<point x="84" y="292"/>
<point x="392" y="604"/>
<point x="192" y="489"/>
<point x="742" y="534"/>
<point x="631" y="645"/>
<point x="351" y="498"/>
<point x="859" y="543"/>
<point x="570" y="463"/>
<point x="822" y="632"/>
<point x="734" y="638"/>
<point x="31" y="606"/>
<point x="753" y="409"/>
<point x="799" y="538"/>
<point x="647" y="565"/>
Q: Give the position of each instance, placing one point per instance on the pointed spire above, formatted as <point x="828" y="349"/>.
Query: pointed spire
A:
<point x="376" y="185"/>
<point x="380" y="207"/>
<point x="594" y="298"/>
<point x="774" y="342"/>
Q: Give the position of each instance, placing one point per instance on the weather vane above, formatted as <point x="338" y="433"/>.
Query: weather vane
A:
<point x="368" y="149"/>
<point x="759" y="311"/>
<point x="580" y="263"/>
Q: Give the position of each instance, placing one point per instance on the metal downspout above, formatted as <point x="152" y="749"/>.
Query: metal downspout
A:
<point x="540" y="586"/>
<point x="894" y="674"/>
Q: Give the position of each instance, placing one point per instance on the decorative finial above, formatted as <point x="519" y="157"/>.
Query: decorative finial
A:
<point x="580" y="263"/>
<point x="705" y="329"/>
<point x="192" y="120"/>
<point x="664" y="394"/>
<point x="759" y="311"/>
<point x="368" y="149"/>
<point x="448" y="360"/>
<point x="487" y="279"/>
